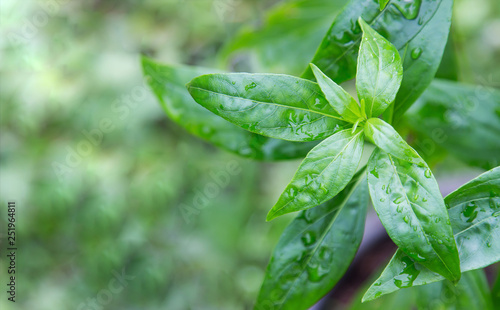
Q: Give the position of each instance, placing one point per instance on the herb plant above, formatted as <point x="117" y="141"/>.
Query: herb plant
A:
<point x="277" y="116"/>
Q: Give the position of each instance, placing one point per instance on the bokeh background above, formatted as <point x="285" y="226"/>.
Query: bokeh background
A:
<point x="68" y="65"/>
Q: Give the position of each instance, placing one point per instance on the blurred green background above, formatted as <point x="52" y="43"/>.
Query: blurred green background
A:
<point x="67" y="67"/>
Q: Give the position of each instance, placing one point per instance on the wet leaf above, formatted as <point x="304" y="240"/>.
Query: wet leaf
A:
<point x="406" y="197"/>
<point x="474" y="211"/>
<point x="168" y="84"/>
<point x="417" y="28"/>
<point x="315" y="250"/>
<point x="379" y="71"/>
<point x="273" y="105"/>
<point x="338" y="98"/>
<point x="385" y="137"/>
<point x="463" y="119"/>
<point x="325" y="171"/>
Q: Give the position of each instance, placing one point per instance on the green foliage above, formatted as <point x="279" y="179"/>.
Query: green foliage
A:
<point x="315" y="250"/>
<point x="402" y="187"/>
<point x="168" y="84"/>
<point x="473" y="211"/>
<point x="133" y="197"/>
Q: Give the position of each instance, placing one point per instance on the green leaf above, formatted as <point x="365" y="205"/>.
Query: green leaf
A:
<point x="463" y="119"/>
<point x="495" y="292"/>
<point x="273" y="105"/>
<point x="383" y="4"/>
<point x="474" y="211"/>
<point x="417" y="28"/>
<point x="385" y="137"/>
<point x="325" y="171"/>
<point x="471" y="292"/>
<point x="285" y="39"/>
<point x="338" y="98"/>
<point x="379" y="71"/>
<point x="315" y="250"/>
<point x="406" y="197"/>
<point x="168" y="84"/>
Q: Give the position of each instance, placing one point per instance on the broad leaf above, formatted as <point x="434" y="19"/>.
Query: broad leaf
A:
<point x="406" y="197"/>
<point x="315" y="250"/>
<point x="463" y="119"/>
<point x="285" y="39"/>
<point x="273" y="105"/>
<point x="417" y="28"/>
<point x="471" y="292"/>
<point x="168" y="84"/>
<point x="325" y="171"/>
<point x="474" y="215"/>
<point x="379" y="71"/>
<point x="338" y="98"/>
<point x="385" y="137"/>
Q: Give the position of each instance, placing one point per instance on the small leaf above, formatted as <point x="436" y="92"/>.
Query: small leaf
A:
<point x="379" y="72"/>
<point x="474" y="212"/>
<point x="338" y="98"/>
<point x="325" y="171"/>
<point x="273" y="105"/>
<point x="315" y="250"/>
<point x="407" y="200"/>
<point x="383" y="4"/>
<point x="168" y="84"/>
<point x="385" y="137"/>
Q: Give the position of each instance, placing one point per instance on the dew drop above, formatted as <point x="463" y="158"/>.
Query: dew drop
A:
<point x="409" y="8"/>
<point x="250" y="86"/>
<point x="428" y="173"/>
<point x="416" y="52"/>
<point x="308" y="238"/>
<point x="406" y="219"/>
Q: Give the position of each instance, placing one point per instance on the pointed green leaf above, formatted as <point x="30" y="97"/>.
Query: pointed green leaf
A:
<point x="168" y="84"/>
<point x="463" y="119"/>
<point x="407" y="200"/>
<point x="379" y="72"/>
<point x="385" y="137"/>
<point x="315" y="250"/>
<point x="474" y="211"/>
<point x="273" y="105"/>
<point x="383" y="4"/>
<point x="338" y="98"/>
<point x="417" y="28"/>
<point x="325" y="171"/>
